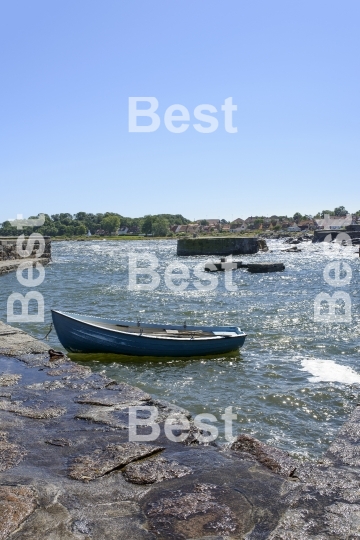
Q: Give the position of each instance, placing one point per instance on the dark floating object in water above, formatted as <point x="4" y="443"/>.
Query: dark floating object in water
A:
<point x="86" y="334"/>
<point x="254" y="268"/>
<point x="223" y="266"/>
<point x="294" y="249"/>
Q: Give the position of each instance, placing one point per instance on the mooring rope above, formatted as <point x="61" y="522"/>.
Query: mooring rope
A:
<point x="45" y="337"/>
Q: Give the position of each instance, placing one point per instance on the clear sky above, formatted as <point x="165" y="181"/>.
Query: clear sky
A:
<point x="68" y="68"/>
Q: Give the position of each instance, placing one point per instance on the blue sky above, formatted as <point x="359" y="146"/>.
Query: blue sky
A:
<point x="69" y="67"/>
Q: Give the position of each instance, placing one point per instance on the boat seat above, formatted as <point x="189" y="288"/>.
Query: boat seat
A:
<point x="166" y="332"/>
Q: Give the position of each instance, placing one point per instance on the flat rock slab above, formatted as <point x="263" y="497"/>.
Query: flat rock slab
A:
<point x="345" y="450"/>
<point x="103" y="415"/>
<point x="325" y="504"/>
<point x="10" y="454"/>
<point x="120" y="396"/>
<point x="16" y="504"/>
<point x="200" y="511"/>
<point x="115" y="456"/>
<point x="69" y="371"/>
<point x="15" y="342"/>
<point x="47" y="386"/>
<point x="8" y="379"/>
<point x="274" y="459"/>
<point x="154" y="470"/>
<point x="38" y="411"/>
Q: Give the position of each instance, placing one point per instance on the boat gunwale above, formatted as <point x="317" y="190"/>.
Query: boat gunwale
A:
<point x="148" y="336"/>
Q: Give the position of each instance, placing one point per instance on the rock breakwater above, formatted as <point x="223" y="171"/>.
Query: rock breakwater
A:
<point x="10" y="259"/>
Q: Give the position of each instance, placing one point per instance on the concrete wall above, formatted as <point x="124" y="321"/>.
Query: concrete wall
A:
<point x="218" y="246"/>
<point x="320" y="235"/>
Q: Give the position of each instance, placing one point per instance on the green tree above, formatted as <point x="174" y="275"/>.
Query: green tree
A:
<point x="297" y="216"/>
<point x="146" y="226"/>
<point x="66" y="219"/>
<point x="160" y="227"/>
<point x="110" y="223"/>
<point x="257" y="223"/>
<point x="7" y="229"/>
<point x="340" y="211"/>
<point x="127" y="222"/>
<point x="80" y="216"/>
<point x="204" y="222"/>
<point x="66" y="224"/>
<point x="61" y="229"/>
<point x="174" y="219"/>
<point x="80" y="230"/>
<point x="48" y="229"/>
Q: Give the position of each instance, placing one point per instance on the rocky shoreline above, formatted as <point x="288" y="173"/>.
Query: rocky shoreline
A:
<point x="68" y="470"/>
<point x="10" y="259"/>
<point x="12" y="266"/>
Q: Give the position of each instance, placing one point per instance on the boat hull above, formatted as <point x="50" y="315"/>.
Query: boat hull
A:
<point x="85" y="335"/>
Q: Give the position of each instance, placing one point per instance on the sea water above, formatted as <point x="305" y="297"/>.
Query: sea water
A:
<point x="294" y="382"/>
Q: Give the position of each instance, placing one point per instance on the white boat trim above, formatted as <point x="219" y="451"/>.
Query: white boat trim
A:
<point x="217" y="335"/>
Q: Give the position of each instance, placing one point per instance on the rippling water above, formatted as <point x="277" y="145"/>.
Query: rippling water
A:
<point x="294" y="381"/>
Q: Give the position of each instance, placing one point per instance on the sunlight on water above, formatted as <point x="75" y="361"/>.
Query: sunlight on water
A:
<point x="291" y="384"/>
<point x="330" y="371"/>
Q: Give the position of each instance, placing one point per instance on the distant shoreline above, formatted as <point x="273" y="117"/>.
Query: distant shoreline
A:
<point x="128" y="237"/>
<point x="97" y="238"/>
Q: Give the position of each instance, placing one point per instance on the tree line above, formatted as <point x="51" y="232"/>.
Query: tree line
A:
<point x="79" y="224"/>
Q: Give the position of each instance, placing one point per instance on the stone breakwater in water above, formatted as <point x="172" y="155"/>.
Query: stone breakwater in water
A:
<point x="68" y="471"/>
<point x="10" y="258"/>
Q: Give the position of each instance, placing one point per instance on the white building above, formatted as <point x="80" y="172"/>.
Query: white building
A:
<point x="294" y="228"/>
<point x="238" y="225"/>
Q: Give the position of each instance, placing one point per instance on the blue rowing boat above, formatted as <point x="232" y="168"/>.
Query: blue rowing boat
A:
<point x="86" y="334"/>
